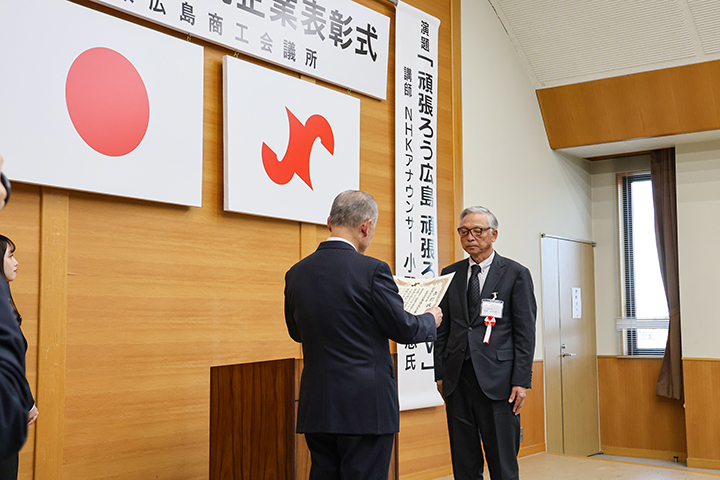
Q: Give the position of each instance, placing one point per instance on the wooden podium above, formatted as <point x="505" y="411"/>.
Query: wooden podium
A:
<point x="252" y="423"/>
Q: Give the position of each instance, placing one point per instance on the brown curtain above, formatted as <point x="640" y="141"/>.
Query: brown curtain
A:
<point x="662" y="172"/>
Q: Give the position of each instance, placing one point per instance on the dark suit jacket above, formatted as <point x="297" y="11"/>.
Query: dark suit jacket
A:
<point x="507" y="360"/>
<point x="343" y="307"/>
<point x="14" y="390"/>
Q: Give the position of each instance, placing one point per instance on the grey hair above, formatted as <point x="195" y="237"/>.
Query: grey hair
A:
<point x="351" y="208"/>
<point x="492" y="221"/>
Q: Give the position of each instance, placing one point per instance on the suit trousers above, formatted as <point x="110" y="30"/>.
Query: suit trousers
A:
<point x="349" y="457"/>
<point x="9" y="468"/>
<point x="473" y="417"/>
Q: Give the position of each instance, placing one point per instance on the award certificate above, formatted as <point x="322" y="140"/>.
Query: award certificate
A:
<point x="419" y="294"/>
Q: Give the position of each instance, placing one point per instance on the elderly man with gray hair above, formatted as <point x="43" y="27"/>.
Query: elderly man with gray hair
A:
<point x="484" y="352"/>
<point x="343" y="306"/>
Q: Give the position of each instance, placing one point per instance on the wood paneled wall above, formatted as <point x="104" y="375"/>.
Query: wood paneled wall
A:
<point x="662" y="102"/>
<point x="147" y="297"/>
<point x="702" y="396"/>
<point x="532" y="418"/>
<point x="633" y="421"/>
<point x="424" y="444"/>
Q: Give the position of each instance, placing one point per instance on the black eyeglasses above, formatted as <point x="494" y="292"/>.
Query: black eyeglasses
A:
<point x="463" y="232"/>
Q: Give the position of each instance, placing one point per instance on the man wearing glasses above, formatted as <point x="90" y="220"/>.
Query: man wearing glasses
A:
<point x="484" y="352"/>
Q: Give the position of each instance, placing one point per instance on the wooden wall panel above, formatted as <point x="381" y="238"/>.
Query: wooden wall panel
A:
<point x="662" y="102"/>
<point x="52" y="328"/>
<point x="449" y="139"/>
<point x="456" y="189"/>
<point x="156" y="298"/>
<point x="532" y="418"/>
<point x="19" y="222"/>
<point x="633" y="421"/>
<point x="424" y="444"/>
<point x="702" y="396"/>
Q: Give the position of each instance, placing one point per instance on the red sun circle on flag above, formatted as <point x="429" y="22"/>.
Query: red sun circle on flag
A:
<point x="107" y="101"/>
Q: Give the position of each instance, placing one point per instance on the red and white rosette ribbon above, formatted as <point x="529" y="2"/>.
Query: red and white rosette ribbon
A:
<point x="489" y="322"/>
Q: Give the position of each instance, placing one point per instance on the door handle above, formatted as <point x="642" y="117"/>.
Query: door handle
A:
<point x="565" y="354"/>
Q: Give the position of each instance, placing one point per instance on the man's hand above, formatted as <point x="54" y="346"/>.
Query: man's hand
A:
<point x="437" y="313"/>
<point x="32" y="415"/>
<point x="439" y="387"/>
<point x="517" y="395"/>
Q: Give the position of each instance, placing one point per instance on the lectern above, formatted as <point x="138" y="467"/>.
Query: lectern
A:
<point x="252" y="423"/>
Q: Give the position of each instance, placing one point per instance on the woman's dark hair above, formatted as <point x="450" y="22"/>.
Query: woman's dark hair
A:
<point x="5" y="244"/>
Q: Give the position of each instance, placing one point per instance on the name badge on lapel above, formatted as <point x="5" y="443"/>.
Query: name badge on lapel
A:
<point x="491" y="309"/>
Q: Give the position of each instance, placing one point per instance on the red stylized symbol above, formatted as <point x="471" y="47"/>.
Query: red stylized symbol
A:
<point x="107" y="101"/>
<point x="297" y="156"/>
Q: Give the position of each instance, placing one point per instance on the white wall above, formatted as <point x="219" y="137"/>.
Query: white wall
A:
<point x="508" y="165"/>
<point x="605" y="234"/>
<point x="698" y="198"/>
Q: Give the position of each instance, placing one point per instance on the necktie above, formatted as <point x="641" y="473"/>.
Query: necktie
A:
<point x="473" y="290"/>
<point x="473" y="297"/>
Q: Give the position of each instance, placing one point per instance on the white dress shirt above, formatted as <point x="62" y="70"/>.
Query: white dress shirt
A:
<point x="484" y="269"/>
<point x="340" y="239"/>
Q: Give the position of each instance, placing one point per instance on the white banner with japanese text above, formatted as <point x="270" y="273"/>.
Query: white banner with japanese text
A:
<point x="416" y="73"/>
<point x="339" y="41"/>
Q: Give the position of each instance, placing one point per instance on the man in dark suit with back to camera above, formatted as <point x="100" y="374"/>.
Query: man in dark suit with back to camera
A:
<point x="343" y="307"/>
<point x="484" y="352"/>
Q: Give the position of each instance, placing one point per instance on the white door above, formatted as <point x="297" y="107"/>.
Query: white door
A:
<point x="570" y="346"/>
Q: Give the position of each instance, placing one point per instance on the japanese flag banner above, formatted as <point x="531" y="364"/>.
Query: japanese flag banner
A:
<point x="94" y="103"/>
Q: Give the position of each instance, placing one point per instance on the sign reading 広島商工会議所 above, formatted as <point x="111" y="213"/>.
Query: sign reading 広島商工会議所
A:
<point x="339" y="41"/>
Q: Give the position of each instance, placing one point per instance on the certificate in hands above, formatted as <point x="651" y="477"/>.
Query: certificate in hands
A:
<point x="419" y="294"/>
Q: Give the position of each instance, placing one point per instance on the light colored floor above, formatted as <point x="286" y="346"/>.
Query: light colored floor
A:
<point x="659" y="463"/>
<point x="550" y="466"/>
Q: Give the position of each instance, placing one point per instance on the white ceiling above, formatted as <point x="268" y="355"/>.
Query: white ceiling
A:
<point x="570" y="41"/>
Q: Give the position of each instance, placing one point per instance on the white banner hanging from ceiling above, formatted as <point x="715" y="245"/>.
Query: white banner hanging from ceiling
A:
<point x="339" y="41"/>
<point x="416" y="74"/>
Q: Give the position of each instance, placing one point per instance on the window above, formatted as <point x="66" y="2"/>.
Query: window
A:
<point x="644" y="321"/>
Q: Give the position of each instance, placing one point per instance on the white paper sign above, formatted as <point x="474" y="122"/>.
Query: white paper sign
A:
<point x="576" y="302"/>
<point x="336" y="40"/>
<point x="290" y="146"/>
<point x="416" y="77"/>
<point x="91" y="102"/>
<point x="416" y="68"/>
